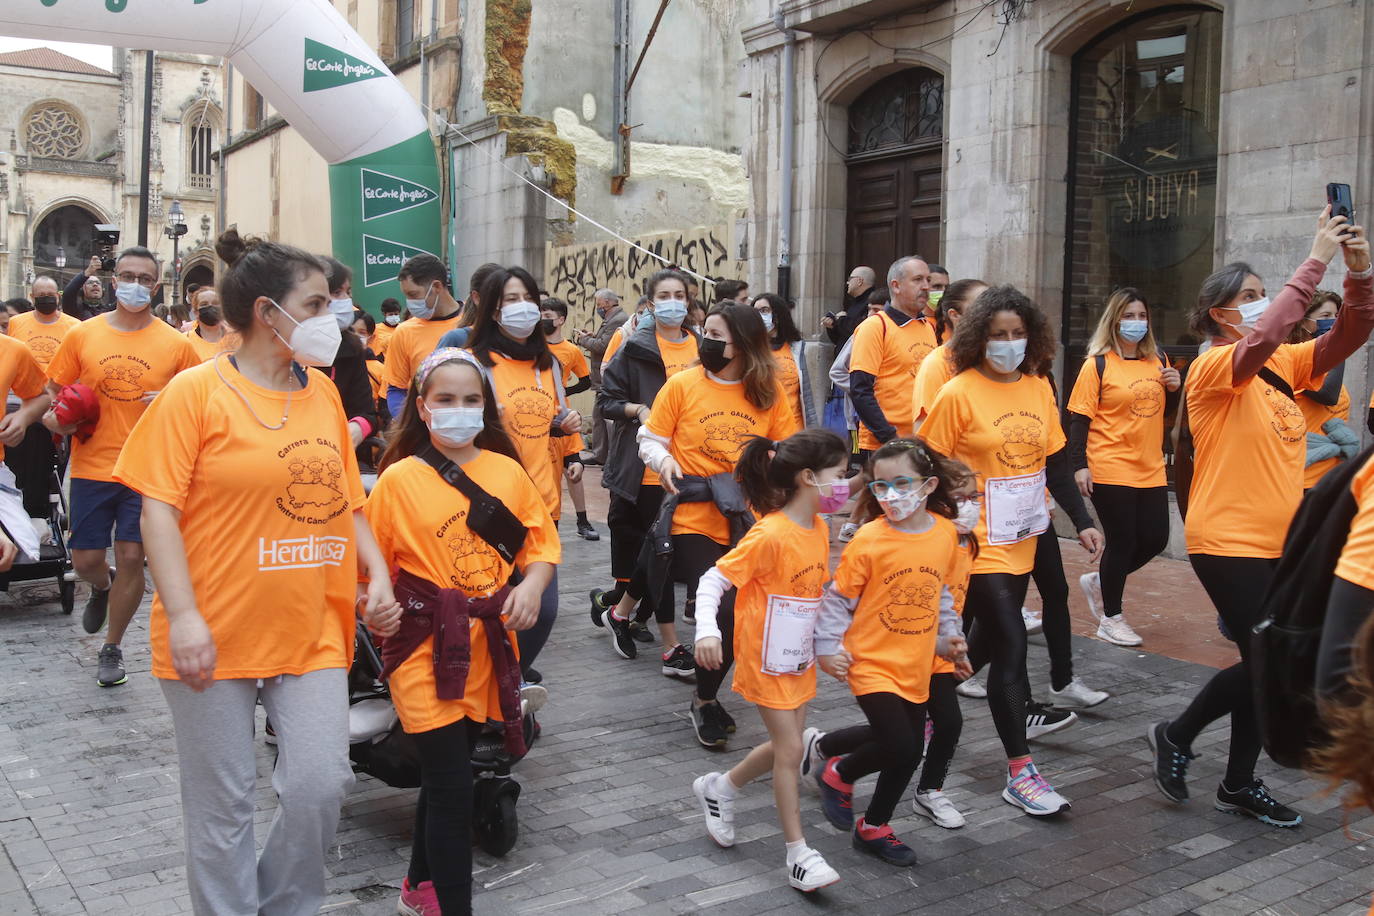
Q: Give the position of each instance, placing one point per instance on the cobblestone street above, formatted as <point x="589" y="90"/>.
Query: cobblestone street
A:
<point x="89" y="813"/>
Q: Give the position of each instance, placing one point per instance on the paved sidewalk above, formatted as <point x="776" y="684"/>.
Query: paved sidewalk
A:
<point x="89" y="812"/>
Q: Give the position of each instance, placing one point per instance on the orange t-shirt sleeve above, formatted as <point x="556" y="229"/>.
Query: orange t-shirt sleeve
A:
<point x="751" y="556"/>
<point x="663" y="414"/>
<point x="577" y="364"/>
<point x="65" y="367"/>
<point x="160" y="454"/>
<point x="851" y="575"/>
<point x="29" y="380"/>
<point x="1086" y="391"/>
<point x="1302" y="357"/>
<point x="611" y="347"/>
<point x="782" y="422"/>
<point x="541" y="542"/>
<point x="944" y="421"/>
<point x="1054" y="436"/>
<point x="867" y="355"/>
<point x="398" y="361"/>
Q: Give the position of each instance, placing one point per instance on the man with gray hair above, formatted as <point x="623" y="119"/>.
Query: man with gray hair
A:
<point x="888" y="349"/>
<point x="606" y="302"/>
<point x="857" y="289"/>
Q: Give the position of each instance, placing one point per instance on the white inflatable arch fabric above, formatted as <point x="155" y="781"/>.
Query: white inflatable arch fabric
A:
<point x="323" y="78"/>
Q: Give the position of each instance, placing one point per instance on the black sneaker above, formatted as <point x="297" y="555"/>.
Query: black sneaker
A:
<point x="110" y="668"/>
<point x="586" y="532"/>
<point x="93" y="618"/>
<point x="680" y="663"/>
<point x="1171" y="763"/>
<point x="621" y="640"/>
<point x="1042" y="720"/>
<point x="886" y="846"/>
<point x="599" y="606"/>
<point x="1256" y="801"/>
<point x="727" y="720"/>
<point x="641" y="633"/>
<point x="532" y="676"/>
<point x="706" y="721"/>
<point x="689" y="611"/>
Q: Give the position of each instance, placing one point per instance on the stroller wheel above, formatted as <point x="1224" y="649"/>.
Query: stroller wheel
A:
<point x="67" y="590"/>
<point x="498" y="825"/>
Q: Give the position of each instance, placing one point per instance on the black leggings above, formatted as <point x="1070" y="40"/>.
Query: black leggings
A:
<point x="441" y="848"/>
<point x="629" y="522"/>
<point x="693" y="554"/>
<point x="1048" y="574"/>
<point x="890" y="745"/>
<point x="948" y="722"/>
<point x="1135" y="521"/>
<point x="1237" y="586"/>
<point x="997" y="638"/>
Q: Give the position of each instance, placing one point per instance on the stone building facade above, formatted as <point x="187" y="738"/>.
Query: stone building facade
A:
<point x="70" y="153"/>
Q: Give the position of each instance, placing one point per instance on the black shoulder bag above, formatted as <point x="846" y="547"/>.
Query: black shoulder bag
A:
<point x="488" y="517"/>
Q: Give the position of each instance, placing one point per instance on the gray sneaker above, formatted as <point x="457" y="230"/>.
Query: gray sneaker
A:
<point x="110" y="672"/>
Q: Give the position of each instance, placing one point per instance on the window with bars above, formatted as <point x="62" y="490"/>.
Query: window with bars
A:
<point x="201" y="173"/>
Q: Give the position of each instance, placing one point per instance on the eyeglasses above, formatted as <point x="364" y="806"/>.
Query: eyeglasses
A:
<point x="140" y="279"/>
<point x="899" y="485"/>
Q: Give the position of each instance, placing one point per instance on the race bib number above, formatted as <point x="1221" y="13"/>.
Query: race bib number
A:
<point x="1016" y="508"/>
<point x="788" y="628"/>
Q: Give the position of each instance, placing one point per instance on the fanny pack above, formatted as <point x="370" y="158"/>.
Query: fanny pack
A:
<point x="488" y="517"/>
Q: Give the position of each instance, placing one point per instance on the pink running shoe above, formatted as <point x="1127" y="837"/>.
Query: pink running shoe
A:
<point x="418" y="901"/>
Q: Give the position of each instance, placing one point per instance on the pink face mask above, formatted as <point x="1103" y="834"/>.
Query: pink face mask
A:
<point x="833" y="495"/>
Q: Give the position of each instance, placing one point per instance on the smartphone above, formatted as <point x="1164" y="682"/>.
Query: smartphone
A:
<point x="1338" y="196"/>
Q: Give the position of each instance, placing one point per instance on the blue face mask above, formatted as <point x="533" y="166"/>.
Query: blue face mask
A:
<point x="1324" y="325"/>
<point x="670" y="312"/>
<point x="767" y="320"/>
<point x="1134" y="329"/>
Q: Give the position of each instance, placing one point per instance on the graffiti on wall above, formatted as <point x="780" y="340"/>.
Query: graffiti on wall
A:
<point x="576" y="272"/>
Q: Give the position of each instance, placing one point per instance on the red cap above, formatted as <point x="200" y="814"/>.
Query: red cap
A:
<point x="77" y="405"/>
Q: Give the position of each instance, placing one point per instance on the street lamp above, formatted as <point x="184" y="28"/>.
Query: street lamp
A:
<point x="60" y="261"/>
<point x="176" y="228"/>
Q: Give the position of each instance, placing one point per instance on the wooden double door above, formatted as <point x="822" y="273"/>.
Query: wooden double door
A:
<point x="894" y="210"/>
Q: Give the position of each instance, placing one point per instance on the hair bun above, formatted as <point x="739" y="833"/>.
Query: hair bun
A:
<point x="231" y="246"/>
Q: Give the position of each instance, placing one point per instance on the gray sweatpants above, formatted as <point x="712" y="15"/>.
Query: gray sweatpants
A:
<point x="214" y="732"/>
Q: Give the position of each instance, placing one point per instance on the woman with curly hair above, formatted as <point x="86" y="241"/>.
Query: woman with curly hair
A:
<point x="1000" y="418"/>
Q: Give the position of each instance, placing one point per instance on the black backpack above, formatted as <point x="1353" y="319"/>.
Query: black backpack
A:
<point x="1284" y="643"/>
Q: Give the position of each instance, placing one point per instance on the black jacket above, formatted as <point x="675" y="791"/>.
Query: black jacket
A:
<point x="349" y="373"/>
<point x="847" y="321"/>
<point x="634" y="378"/>
<point x="75" y="304"/>
<point x="656" y="556"/>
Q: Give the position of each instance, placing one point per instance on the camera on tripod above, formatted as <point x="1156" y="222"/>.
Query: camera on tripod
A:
<point x="106" y="240"/>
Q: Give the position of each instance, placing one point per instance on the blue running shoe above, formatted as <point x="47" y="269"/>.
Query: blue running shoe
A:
<point x="1032" y="794"/>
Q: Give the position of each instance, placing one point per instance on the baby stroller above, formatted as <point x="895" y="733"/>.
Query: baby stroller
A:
<point x="54" y="560"/>
<point x="380" y="748"/>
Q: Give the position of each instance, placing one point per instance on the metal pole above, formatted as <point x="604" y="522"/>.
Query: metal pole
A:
<point x="145" y="170"/>
<point x="789" y="130"/>
<point x="176" y="269"/>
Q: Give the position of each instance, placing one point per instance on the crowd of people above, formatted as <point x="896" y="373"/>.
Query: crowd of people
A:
<point x="941" y="449"/>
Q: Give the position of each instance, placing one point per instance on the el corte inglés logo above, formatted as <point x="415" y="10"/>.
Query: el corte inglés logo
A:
<point x="382" y="258"/>
<point x="385" y="194"/>
<point x="326" y="67"/>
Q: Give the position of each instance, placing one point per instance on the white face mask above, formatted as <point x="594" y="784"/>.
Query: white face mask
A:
<point x="1250" y="312"/>
<point x="897" y="506"/>
<point x="314" y="341"/>
<point x="519" y="319"/>
<point x="456" y="426"/>
<point x="342" y="310"/>
<point x="1006" y="355"/>
<point x="967" y="519"/>
<point x="1134" y="329"/>
<point x="670" y="312"/>
<point x="133" y="296"/>
<point x="392" y="320"/>
<point x="421" y="308"/>
<point x="767" y="320"/>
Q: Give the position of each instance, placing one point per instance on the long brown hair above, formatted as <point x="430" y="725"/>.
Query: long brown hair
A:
<point x="750" y="340"/>
<point x="410" y="434"/>
<point x="1349" y="758"/>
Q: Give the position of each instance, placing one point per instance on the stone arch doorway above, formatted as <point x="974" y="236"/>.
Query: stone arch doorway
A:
<point x="67" y="230"/>
<point x="196" y="275"/>
<point x="895" y="165"/>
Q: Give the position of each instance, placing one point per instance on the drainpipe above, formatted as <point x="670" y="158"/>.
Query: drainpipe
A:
<point x="789" y="130"/>
<point x="228" y="136"/>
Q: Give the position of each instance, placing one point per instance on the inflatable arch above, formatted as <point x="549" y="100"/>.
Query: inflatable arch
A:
<point x="323" y="78"/>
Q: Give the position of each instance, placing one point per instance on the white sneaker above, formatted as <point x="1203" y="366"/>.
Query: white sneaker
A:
<point x="847" y="532"/>
<point x="1117" y="631"/>
<point x="1032" y="620"/>
<point x="811" y="751"/>
<point x="532" y="698"/>
<point x="1033" y="795"/>
<point x="1077" y="695"/>
<point x="972" y="688"/>
<point x="938" y="808"/>
<point x="811" y="872"/>
<point x="1091" y="583"/>
<point x="719" y="812"/>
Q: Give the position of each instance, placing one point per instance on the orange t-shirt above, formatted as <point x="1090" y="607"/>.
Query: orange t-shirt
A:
<point x="790" y="378"/>
<point x="381" y="338"/>
<point x="707" y="423"/>
<point x="958" y="587"/>
<point x="1003" y="432"/>
<point x="207" y="350"/>
<point x="776" y="557"/>
<point x="618" y="338"/>
<point x="410" y="343"/>
<point x="570" y="357"/>
<point x="420" y="524"/>
<point x="891" y="354"/>
<point x="276" y="583"/>
<point x="42" y="338"/>
<point x="676" y="355"/>
<point x="1315" y="415"/>
<point x="529" y="402"/>
<point x="375" y="373"/>
<point x="896" y="577"/>
<point x="1249" y="446"/>
<point x="19" y="372"/>
<point x="1126" y="438"/>
<point x="931" y="375"/>
<point x="1356" y="564"/>
<point x="121" y="367"/>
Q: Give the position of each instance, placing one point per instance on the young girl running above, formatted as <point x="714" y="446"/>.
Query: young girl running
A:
<point x="452" y="665"/>
<point x="884" y="618"/>
<point x="779" y="568"/>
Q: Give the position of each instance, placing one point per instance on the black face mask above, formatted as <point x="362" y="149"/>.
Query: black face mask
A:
<point x="546" y="324"/>
<point x="712" y="353"/>
<point x="208" y="315"/>
<point x="45" y="304"/>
